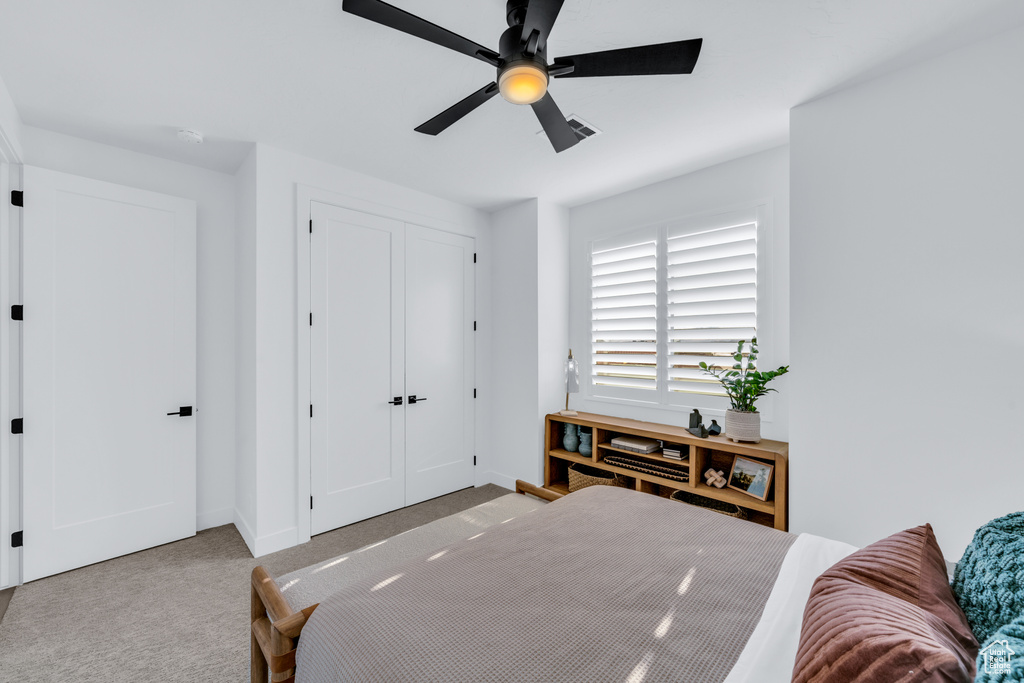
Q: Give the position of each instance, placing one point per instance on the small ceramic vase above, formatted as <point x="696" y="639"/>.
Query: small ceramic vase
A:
<point x="571" y="441"/>
<point x="586" y="447"/>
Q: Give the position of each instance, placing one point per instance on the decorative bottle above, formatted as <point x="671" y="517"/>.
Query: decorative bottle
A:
<point x="571" y="441"/>
<point x="586" y="445"/>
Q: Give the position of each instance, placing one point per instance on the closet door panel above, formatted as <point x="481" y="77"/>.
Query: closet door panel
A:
<point x="357" y="438"/>
<point x="439" y="363"/>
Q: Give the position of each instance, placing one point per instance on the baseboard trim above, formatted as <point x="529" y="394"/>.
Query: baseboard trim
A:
<point x="497" y="478"/>
<point x="280" y="540"/>
<point x="245" y="531"/>
<point x="214" y="518"/>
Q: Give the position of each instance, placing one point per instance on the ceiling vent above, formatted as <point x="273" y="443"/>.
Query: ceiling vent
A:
<point x="582" y="129"/>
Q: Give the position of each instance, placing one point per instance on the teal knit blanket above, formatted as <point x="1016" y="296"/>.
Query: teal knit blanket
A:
<point x="1001" y="658"/>
<point x="989" y="580"/>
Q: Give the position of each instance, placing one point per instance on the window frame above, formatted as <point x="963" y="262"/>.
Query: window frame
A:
<point x="662" y="398"/>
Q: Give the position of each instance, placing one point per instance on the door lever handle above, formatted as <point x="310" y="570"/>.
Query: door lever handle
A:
<point x="184" y="411"/>
<point x="413" y="400"/>
<point x="397" y="401"/>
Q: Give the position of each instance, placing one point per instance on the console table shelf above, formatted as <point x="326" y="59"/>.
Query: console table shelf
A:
<point x="715" y="451"/>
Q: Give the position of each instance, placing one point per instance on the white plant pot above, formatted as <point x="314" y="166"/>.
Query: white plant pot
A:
<point x="742" y="426"/>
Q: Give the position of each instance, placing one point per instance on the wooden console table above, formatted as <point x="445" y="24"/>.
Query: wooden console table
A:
<point x="714" y="451"/>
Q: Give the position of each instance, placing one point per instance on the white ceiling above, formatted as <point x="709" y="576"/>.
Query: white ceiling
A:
<point x="304" y="76"/>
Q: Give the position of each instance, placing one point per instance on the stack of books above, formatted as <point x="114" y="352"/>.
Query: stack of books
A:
<point x="675" y="452"/>
<point x="636" y="444"/>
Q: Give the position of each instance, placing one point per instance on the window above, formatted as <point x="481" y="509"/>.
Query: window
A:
<point x="666" y="298"/>
<point x="624" y="318"/>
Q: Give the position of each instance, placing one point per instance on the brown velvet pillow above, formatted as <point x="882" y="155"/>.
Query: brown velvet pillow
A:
<point x="886" y="613"/>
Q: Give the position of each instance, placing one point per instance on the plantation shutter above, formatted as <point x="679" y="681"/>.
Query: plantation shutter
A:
<point x="711" y="301"/>
<point x="624" y="314"/>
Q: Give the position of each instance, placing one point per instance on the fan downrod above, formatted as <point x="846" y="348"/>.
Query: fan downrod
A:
<point x="515" y="12"/>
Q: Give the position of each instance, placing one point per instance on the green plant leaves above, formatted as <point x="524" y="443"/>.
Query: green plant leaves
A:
<point x="744" y="385"/>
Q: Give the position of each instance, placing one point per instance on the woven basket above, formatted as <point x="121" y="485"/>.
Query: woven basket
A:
<point x="709" y="504"/>
<point x="581" y="476"/>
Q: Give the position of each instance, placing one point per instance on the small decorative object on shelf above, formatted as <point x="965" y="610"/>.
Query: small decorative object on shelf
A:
<point x="586" y="445"/>
<point x="744" y="385"/>
<point x="571" y="441"/>
<point x="700" y="431"/>
<point x="572" y="383"/>
<point x="695" y="419"/>
<point x="675" y="452"/>
<point x="752" y="477"/>
<point x="715" y="429"/>
<point x="715" y="478"/>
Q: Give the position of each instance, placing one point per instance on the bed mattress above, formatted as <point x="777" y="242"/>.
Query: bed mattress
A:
<point x="605" y="584"/>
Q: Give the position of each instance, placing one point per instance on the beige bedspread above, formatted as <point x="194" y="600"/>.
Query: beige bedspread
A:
<point x="606" y="584"/>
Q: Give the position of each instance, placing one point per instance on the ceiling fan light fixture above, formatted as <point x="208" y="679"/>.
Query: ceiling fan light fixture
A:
<point x="523" y="83"/>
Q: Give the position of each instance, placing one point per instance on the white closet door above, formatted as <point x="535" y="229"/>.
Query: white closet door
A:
<point x="439" y="356"/>
<point x="357" y="440"/>
<point x="109" y="350"/>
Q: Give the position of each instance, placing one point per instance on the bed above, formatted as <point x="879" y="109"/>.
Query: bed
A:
<point x="604" y="584"/>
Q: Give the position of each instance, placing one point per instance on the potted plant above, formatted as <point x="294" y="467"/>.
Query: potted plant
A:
<point x="744" y="385"/>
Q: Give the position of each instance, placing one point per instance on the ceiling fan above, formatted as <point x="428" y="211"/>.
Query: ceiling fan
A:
<point x="523" y="69"/>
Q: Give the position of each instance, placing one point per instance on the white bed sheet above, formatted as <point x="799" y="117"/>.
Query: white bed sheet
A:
<point x="771" y="651"/>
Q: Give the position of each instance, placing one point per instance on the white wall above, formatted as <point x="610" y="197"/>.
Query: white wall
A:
<point x="744" y="183"/>
<point x="515" y="452"/>
<point x="245" y="349"/>
<point x="907" y="278"/>
<point x="272" y="340"/>
<point x="10" y="124"/>
<point x="214" y="194"/>
<point x="530" y="334"/>
<point x="552" y="314"/>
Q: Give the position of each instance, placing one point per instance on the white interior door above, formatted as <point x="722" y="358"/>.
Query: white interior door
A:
<point x="109" y="350"/>
<point x="439" y="363"/>
<point x="357" y="439"/>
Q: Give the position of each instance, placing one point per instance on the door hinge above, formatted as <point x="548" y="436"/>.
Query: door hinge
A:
<point x="310" y="226"/>
<point x="17" y="539"/>
<point x="17" y="198"/>
<point x="17" y="312"/>
<point x="311" y="319"/>
<point x="474" y="461"/>
<point x="474" y="257"/>
<point x="474" y="326"/>
<point x="474" y="392"/>
<point x="311" y="502"/>
<point x="311" y="410"/>
<point x="18" y="425"/>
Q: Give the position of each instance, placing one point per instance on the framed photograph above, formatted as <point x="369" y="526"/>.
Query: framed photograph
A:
<point x="752" y="477"/>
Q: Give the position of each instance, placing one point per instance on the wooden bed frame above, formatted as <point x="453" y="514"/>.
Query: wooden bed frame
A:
<point x="276" y="626"/>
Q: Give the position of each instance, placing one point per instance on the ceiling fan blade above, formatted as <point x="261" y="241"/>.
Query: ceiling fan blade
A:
<point x="540" y="17"/>
<point x="649" y="60"/>
<point x="560" y="133"/>
<point x="395" y="18"/>
<point x="452" y="114"/>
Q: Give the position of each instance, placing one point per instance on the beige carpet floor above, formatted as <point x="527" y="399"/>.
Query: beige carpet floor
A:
<point x="178" y="612"/>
